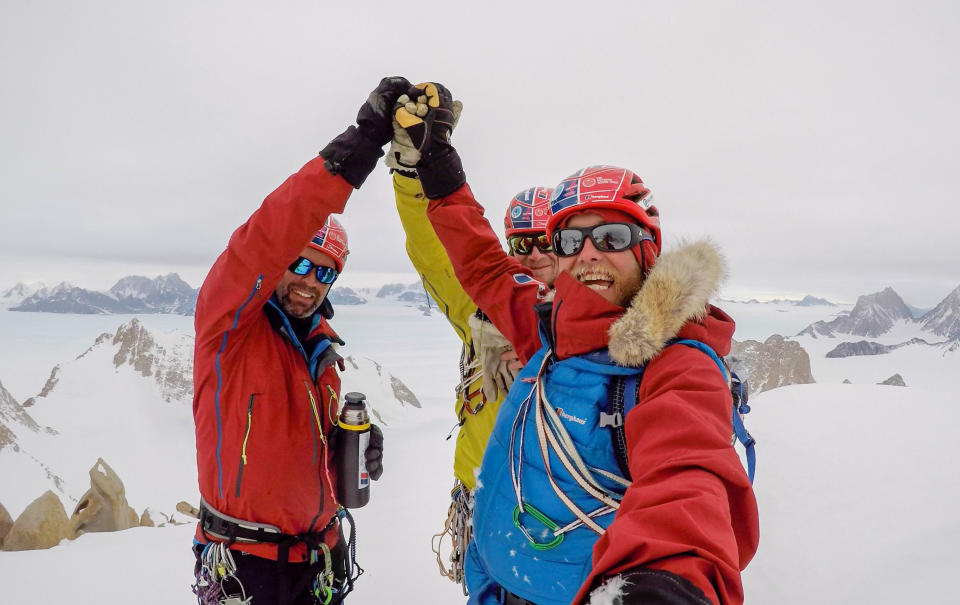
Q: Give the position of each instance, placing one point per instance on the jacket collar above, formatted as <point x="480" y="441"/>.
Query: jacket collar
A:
<point x="671" y="303"/>
<point x="675" y="293"/>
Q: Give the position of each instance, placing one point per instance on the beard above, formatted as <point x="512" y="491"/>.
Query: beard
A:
<point x="609" y="283"/>
<point x="297" y="306"/>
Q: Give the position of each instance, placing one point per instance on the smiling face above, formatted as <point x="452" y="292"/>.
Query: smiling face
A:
<point x="543" y="265"/>
<point x="301" y="295"/>
<point x="616" y="276"/>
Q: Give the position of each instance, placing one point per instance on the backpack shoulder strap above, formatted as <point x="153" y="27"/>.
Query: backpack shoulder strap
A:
<point x="625" y="390"/>
<point x="740" y="406"/>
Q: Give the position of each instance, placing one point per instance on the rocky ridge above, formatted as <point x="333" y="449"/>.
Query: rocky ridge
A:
<point x="776" y="362"/>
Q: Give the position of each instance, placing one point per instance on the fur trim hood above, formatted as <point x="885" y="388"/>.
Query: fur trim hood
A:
<point x="676" y="291"/>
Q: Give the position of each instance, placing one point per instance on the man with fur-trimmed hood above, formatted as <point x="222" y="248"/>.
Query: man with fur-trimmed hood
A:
<point x="559" y="517"/>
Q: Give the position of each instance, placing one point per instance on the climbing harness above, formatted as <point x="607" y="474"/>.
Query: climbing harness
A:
<point x="471" y="375"/>
<point x="216" y="574"/>
<point x="457" y="528"/>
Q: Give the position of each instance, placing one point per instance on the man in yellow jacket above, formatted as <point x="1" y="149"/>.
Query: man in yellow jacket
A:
<point x="487" y="362"/>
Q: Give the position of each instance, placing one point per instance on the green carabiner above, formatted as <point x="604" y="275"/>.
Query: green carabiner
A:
<point x="542" y="518"/>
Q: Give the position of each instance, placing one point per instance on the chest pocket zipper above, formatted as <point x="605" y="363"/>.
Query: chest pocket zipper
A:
<point x="332" y="405"/>
<point x="243" y="446"/>
<point x="317" y="422"/>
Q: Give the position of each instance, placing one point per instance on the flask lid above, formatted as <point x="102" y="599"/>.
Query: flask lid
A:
<point x="354" y="398"/>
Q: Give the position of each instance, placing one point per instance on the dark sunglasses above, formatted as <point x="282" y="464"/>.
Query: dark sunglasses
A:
<point x="325" y="275"/>
<point x="523" y="244"/>
<point x="608" y="237"/>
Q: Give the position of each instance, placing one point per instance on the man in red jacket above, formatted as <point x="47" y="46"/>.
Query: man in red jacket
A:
<point x="266" y="388"/>
<point x="680" y="522"/>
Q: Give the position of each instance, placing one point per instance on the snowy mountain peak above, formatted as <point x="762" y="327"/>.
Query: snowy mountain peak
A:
<point x="15" y="294"/>
<point x="944" y="319"/>
<point x="872" y="316"/>
<point x="810" y="301"/>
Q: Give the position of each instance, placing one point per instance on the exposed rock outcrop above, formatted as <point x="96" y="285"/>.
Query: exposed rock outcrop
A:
<point x="895" y="380"/>
<point x="104" y="507"/>
<point x="172" y="369"/>
<point x="403" y="393"/>
<point x="774" y="363"/>
<point x="6" y="522"/>
<point x="48" y="386"/>
<point x="43" y="524"/>
<point x="13" y="419"/>
<point x="865" y="347"/>
<point x="188" y="509"/>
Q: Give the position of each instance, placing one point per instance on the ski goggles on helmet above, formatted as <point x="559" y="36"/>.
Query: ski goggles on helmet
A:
<point x="524" y="244"/>
<point x="324" y="275"/>
<point x="608" y="237"/>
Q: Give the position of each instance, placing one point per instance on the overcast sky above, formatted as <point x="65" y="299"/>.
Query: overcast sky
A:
<point x="816" y="142"/>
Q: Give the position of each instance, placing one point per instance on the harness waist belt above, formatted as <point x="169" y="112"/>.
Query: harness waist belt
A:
<point x="508" y="598"/>
<point x="225" y="527"/>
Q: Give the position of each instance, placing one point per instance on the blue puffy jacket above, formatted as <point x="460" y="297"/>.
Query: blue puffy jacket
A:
<point x="577" y="388"/>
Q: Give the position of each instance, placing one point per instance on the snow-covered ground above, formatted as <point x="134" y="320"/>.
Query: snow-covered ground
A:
<point x="856" y="485"/>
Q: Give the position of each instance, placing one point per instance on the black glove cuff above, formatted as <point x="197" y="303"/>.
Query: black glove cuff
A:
<point x="441" y="175"/>
<point x="352" y="156"/>
<point x="662" y="587"/>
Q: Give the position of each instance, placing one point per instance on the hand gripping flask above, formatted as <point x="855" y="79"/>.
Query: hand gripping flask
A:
<point x="353" y="481"/>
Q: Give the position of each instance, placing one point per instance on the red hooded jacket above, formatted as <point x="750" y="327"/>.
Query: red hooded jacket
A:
<point x="261" y="418"/>
<point x="690" y="509"/>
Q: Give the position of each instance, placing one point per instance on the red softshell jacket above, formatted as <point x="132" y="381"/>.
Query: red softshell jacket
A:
<point x="260" y="418"/>
<point x="690" y="509"/>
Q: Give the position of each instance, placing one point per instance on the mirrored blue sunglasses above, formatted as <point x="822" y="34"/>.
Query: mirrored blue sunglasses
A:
<point x="324" y="275"/>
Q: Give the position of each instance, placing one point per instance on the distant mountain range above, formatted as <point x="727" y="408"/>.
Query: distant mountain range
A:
<point x="132" y="294"/>
<point x="806" y="301"/>
<point x="166" y="294"/>
<point x="876" y="314"/>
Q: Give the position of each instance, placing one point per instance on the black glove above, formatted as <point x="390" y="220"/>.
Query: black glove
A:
<point x="428" y="119"/>
<point x="354" y="153"/>
<point x="645" y="585"/>
<point x="374" y="453"/>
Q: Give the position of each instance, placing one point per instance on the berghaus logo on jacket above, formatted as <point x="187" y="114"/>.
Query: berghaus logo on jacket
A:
<point x="571" y="417"/>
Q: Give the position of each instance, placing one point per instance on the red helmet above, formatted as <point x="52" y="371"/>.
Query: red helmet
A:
<point x="331" y="239"/>
<point x="605" y="187"/>
<point x="528" y="211"/>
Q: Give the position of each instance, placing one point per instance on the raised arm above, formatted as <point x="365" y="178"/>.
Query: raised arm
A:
<point x="244" y="276"/>
<point x="429" y="257"/>
<point x="498" y="284"/>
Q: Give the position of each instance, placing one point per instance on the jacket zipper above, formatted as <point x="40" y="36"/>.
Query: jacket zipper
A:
<point x="216" y="396"/>
<point x="332" y="406"/>
<point x="317" y="426"/>
<point x="243" y="446"/>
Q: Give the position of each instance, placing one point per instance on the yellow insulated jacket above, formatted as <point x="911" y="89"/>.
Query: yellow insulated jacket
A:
<point x="430" y="260"/>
